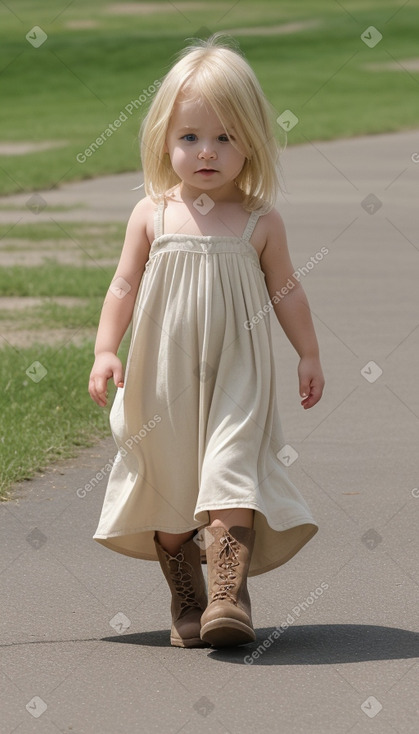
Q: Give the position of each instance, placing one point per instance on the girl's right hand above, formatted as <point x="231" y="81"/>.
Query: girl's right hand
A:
<point x="106" y="365"/>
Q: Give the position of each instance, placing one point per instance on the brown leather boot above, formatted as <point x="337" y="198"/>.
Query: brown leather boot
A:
<point x="227" y="619"/>
<point x="184" y="575"/>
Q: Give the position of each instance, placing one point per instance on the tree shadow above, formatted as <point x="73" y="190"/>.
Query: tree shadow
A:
<point x="316" y="644"/>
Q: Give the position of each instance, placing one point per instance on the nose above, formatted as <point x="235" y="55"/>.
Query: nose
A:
<point x="206" y="153"/>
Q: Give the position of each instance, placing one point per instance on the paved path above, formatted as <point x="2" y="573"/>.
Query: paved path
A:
<point x="85" y="631"/>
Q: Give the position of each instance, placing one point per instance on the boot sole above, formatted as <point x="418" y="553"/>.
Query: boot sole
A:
<point x="226" y="632"/>
<point x="191" y="642"/>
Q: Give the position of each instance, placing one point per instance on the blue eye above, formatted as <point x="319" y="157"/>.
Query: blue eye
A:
<point x="188" y="137"/>
<point x="225" y="138"/>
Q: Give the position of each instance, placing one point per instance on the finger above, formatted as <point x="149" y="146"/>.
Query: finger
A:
<point x="305" y="391"/>
<point x="118" y="377"/>
<point x="305" y="388"/>
<point x="100" y="385"/>
<point x="313" y="398"/>
<point x="102" y="400"/>
<point x="97" y="399"/>
<point x="97" y="390"/>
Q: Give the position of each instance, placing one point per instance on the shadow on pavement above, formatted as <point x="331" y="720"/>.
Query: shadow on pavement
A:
<point x="317" y="644"/>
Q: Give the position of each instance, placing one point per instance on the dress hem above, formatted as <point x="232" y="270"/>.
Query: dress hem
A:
<point x="293" y="523"/>
<point x="106" y="542"/>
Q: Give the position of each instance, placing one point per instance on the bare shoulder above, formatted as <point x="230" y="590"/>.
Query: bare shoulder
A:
<point x="136" y="248"/>
<point x="270" y="231"/>
<point x="144" y="205"/>
<point x="275" y="259"/>
<point x="274" y="226"/>
<point x="137" y="244"/>
<point x="142" y="218"/>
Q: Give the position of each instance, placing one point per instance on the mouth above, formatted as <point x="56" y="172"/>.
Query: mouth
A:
<point x="207" y="170"/>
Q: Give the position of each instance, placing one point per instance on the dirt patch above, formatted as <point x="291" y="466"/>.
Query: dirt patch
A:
<point x="153" y="9"/>
<point x="13" y="333"/>
<point x="275" y="30"/>
<point x="81" y="24"/>
<point x="66" y="252"/>
<point x="32" y="259"/>
<point x="26" y="338"/>
<point x="72" y="257"/>
<point x="402" y="65"/>
<point x="20" y="303"/>
<point x="23" y="147"/>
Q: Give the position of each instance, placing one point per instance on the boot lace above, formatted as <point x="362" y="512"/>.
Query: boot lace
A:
<point x="226" y="574"/>
<point x="180" y="573"/>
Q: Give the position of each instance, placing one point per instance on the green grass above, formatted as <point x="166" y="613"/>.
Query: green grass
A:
<point x="50" y="419"/>
<point x="52" y="279"/>
<point x="77" y="83"/>
<point x="93" y="232"/>
<point x="51" y="315"/>
<point x="46" y="420"/>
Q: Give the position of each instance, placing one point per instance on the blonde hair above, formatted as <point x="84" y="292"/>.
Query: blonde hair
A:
<point x="221" y="77"/>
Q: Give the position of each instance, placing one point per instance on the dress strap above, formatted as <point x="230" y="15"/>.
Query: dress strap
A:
<point x="158" y="219"/>
<point x="251" y="224"/>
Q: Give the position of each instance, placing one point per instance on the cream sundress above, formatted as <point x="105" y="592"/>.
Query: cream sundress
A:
<point x="196" y="424"/>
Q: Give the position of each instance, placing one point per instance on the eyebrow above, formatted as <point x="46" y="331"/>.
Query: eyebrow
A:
<point x="196" y="129"/>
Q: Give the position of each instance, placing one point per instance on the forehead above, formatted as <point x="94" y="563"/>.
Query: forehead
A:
<point x="194" y="113"/>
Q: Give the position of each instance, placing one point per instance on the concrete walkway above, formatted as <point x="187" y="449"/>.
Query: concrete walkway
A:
<point x="85" y="641"/>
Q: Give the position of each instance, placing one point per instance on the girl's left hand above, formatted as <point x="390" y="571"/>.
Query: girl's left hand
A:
<point x="311" y="381"/>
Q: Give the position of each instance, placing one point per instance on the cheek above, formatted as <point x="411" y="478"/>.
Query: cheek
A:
<point x="178" y="156"/>
<point x="233" y="154"/>
<point x="240" y="151"/>
<point x="237" y="158"/>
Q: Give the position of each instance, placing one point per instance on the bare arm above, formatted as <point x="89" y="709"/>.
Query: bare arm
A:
<point x="292" y="309"/>
<point x="119" y="304"/>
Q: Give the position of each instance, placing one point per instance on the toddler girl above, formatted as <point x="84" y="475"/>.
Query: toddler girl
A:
<point x="198" y="474"/>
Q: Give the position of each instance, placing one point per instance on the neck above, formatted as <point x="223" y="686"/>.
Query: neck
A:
<point x="227" y="193"/>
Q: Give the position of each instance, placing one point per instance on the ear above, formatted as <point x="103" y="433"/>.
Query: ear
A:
<point x="165" y="148"/>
